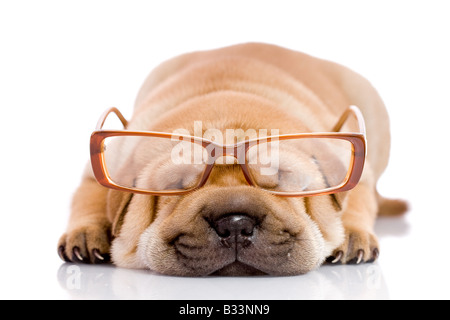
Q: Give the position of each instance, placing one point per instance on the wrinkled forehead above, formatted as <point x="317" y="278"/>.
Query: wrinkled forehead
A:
<point x="221" y="111"/>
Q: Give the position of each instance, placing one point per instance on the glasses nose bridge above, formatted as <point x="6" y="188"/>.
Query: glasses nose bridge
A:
<point x="229" y="151"/>
<point x="235" y="151"/>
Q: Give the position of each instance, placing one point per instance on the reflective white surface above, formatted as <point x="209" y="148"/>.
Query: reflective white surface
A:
<point x="408" y="268"/>
<point x="360" y="282"/>
<point x="62" y="65"/>
<point x="395" y="276"/>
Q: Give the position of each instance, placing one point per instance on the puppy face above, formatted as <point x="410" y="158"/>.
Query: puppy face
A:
<point x="227" y="227"/>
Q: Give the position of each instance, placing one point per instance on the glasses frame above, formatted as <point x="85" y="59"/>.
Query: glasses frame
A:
<point x="357" y="140"/>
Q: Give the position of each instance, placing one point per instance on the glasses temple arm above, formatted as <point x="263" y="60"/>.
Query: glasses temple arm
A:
<point x="337" y="127"/>
<point x="105" y="115"/>
<point x="358" y="114"/>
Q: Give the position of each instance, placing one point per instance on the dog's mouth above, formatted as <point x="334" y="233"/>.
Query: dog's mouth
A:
<point x="237" y="245"/>
<point x="239" y="269"/>
<point x="239" y="234"/>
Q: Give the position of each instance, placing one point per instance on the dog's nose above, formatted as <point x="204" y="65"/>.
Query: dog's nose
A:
<point x="234" y="229"/>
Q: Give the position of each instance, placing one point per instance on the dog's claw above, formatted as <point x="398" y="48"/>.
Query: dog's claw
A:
<point x="97" y="254"/>
<point x="77" y="254"/>
<point x="62" y="254"/>
<point x="100" y="258"/>
<point x="376" y="254"/>
<point x="360" y="256"/>
<point x="338" y="257"/>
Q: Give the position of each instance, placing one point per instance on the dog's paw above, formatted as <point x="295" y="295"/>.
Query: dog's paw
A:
<point x="85" y="245"/>
<point x="359" y="246"/>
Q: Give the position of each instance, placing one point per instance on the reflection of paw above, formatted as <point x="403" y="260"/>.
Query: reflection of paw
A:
<point x="85" y="245"/>
<point x="359" y="246"/>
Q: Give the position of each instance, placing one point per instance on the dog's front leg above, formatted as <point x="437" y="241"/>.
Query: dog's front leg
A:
<point x="88" y="235"/>
<point x="359" y="215"/>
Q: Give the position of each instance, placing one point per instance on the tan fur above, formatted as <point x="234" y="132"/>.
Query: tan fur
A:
<point x="249" y="86"/>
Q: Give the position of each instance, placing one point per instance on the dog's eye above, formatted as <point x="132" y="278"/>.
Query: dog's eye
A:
<point x="293" y="180"/>
<point x="268" y="181"/>
<point x="175" y="186"/>
<point x="283" y="179"/>
<point x="168" y="176"/>
<point x="182" y="183"/>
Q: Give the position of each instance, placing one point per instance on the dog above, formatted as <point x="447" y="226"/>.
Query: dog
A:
<point x="241" y="87"/>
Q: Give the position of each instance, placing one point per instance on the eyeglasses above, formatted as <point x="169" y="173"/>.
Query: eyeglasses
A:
<point x="158" y="163"/>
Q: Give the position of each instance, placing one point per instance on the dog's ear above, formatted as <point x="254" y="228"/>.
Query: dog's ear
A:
<point x="116" y="208"/>
<point x="331" y="167"/>
<point x="339" y="200"/>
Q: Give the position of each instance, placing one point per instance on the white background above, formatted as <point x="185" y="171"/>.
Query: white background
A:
<point x="62" y="63"/>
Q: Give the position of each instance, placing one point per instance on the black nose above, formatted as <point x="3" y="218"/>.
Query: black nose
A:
<point x="235" y="229"/>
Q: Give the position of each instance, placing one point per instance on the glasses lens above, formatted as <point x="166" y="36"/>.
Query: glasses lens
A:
<point x="154" y="164"/>
<point x="300" y="165"/>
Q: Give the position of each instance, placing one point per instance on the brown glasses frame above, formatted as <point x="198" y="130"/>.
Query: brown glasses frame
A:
<point x="357" y="140"/>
